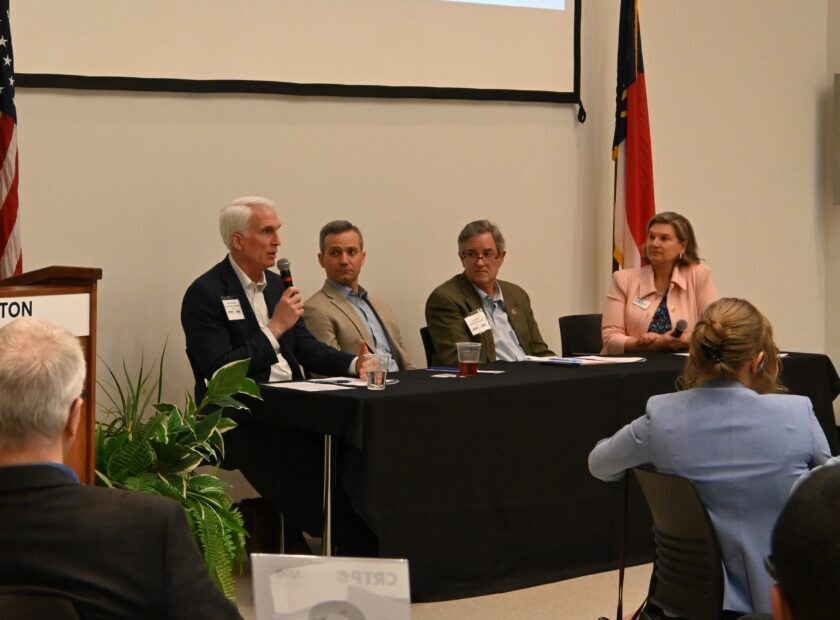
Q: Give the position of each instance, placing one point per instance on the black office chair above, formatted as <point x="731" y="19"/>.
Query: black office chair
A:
<point x="687" y="571"/>
<point x="580" y="334"/>
<point x="428" y="345"/>
<point x="32" y="606"/>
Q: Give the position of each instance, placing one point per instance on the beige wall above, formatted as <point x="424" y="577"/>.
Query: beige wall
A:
<point x="832" y="211"/>
<point x="739" y="99"/>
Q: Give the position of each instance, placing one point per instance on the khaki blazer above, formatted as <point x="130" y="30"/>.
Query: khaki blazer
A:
<point x="334" y="321"/>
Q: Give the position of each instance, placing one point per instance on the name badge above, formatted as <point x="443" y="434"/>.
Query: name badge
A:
<point x="642" y="303"/>
<point x="477" y="322"/>
<point x="233" y="309"/>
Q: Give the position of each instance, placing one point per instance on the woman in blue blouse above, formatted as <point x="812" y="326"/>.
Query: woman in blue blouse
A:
<point x="741" y="442"/>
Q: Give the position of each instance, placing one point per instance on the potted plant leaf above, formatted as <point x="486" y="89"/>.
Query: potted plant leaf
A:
<point x="158" y="450"/>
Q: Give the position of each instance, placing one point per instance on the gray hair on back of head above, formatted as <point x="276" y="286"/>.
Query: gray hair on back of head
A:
<point x="235" y="216"/>
<point x="42" y="371"/>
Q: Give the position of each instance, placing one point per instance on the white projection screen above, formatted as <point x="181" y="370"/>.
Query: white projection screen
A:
<point x="482" y="49"/>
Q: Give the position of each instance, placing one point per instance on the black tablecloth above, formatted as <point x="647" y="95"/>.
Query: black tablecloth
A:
<point x="482" y="483"/>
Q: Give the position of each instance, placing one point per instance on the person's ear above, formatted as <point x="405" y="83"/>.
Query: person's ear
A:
<point x="757" y="365"/>
<point x="68" y="435"/>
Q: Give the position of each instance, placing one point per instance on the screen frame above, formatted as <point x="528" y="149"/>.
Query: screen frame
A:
<point x="170" y="85"/>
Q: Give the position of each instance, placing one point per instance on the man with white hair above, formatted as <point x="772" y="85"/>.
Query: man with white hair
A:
<point x="112" y="553"/>
<point x="241" y="310"/>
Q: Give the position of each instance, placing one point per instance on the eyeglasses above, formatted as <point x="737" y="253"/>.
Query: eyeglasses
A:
<point x="486" y="255"/>
<point x="770" y="568"/>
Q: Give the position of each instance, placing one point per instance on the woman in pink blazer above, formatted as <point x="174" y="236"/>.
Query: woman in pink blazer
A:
<point x="645" y="304"/>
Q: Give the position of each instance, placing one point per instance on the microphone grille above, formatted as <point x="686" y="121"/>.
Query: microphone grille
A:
<point x="284" y="264"/>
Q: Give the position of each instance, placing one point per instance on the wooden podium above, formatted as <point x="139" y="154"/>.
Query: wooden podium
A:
<point x="64" y="296"/>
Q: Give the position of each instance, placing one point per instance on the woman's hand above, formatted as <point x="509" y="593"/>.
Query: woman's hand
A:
<point x="656" y="342"/>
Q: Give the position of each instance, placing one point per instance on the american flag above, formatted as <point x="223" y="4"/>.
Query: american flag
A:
<point x="11" y="256"/>
<point x="634" y="204"/>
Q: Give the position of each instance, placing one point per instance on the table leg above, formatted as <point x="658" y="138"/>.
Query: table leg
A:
<point x="329" y="478"/>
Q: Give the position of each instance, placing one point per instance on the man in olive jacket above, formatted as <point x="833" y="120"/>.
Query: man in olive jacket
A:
<point x="499" y="312"/>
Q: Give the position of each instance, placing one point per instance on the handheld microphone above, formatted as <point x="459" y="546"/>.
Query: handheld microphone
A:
<point x="678" y="330"/>
<point x="285" y="268"/>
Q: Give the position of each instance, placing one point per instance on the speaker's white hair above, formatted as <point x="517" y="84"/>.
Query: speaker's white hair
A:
<point x="235" y="216"/>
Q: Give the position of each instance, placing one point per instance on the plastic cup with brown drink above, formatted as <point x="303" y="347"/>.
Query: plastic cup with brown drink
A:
<point x="468" y="354"/>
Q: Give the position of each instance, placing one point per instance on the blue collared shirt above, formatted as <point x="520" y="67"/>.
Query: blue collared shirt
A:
<point x="508" y="348"/>
<point x="368" y="315"/>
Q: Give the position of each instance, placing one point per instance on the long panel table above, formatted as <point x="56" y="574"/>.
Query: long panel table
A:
<point x="482" y="483"/>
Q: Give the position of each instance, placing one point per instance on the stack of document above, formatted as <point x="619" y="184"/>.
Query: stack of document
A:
<point x="585" y="360"/>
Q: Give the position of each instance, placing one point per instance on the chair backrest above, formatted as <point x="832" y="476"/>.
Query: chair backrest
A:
<point x="22" y="606"/>
<point x="428" y="345"/>
<point x="687" y="572"/>
<point x="580" y="334"/>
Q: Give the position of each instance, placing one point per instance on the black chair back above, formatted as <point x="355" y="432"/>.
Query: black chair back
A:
<point x="19" y="606"/>
<point x="580" y="334"/>
<point x="687" y="572"/>
<point x="428" y="345"/>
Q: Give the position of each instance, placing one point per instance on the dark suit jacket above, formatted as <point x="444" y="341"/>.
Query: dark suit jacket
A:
<point x="453" y="300"/>
<point x="333" y="320"/>
<point x="115" y="554"/>
<point x="213" y="340"/>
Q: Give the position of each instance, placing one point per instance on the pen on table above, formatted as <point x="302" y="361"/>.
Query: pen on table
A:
<point x="329" y="381"/>
<point x="442" y="369"/>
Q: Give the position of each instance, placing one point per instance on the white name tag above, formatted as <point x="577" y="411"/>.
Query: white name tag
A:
<point x="233" y="309"/>
<point x="477" y="322"/>
<point x="642" y="303"/>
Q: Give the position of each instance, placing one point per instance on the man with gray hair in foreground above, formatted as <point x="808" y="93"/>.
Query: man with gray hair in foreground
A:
<point x="112" y="553"/>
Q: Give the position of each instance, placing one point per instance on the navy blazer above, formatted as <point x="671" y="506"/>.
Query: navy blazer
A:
<point x="213" y="340"/>
<point x="114" y="553"/>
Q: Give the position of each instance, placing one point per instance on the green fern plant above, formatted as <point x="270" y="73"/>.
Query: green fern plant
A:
<point x="159" y="454"/>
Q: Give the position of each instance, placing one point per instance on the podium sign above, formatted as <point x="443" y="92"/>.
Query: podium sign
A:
<point x="72" y="312"/>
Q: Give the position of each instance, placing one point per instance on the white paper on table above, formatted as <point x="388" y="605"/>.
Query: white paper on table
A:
<point x="351" y="381"/>
<point x="590" y="360"/>
<point x="685" y="354"/>
<point x="308" y="386"/>
<point x="599" y="359"/>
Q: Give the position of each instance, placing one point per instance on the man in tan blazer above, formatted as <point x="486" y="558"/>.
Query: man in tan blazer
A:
<point x="342" y="312"/>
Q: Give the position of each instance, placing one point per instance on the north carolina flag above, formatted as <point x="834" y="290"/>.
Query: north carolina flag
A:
<point x="633" y="202"/>
<point x="11" y="260"/>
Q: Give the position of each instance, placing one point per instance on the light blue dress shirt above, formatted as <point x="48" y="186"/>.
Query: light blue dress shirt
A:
<point x="508" y="348"/>
<point x="371" y="321"/>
